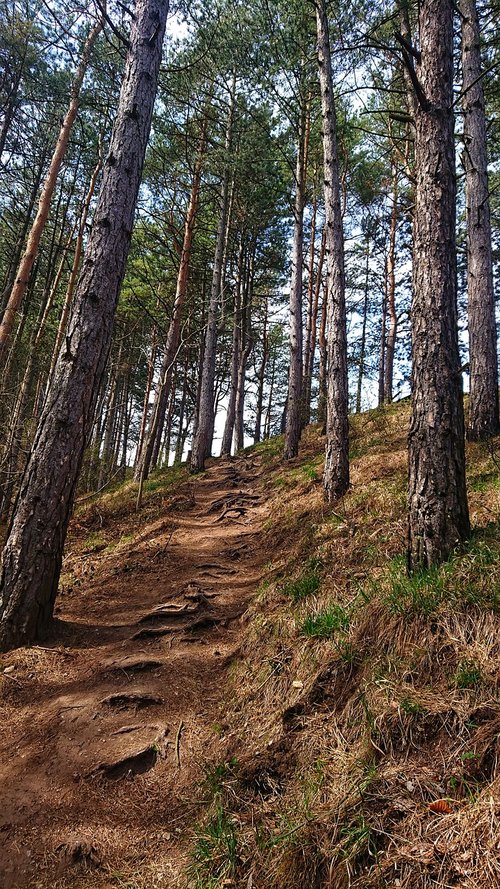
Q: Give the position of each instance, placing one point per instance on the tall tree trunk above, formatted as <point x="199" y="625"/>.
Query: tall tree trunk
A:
<point x="180" y="438"/>
<point x="390" y="345"/>
<point x="362" y="347"/>
<point x="19" y="415"/>
<point x="383" y="341"/>
<point x="202" y="440"/>
<point x="10" y="277"/>
<point x="33" y="551"/>
<point x="227" y="437"/>
<point x="438" y="512"/>
<point x="483" y="420"/>
<point x="323" y="361"/>
<point x="294" y="399"/>
<point x="174" y="331"/>
<point x="306" y="391"/>
<point x="107" y="447"/>
<point x="336" y="474"/>
<point x="129" y="396"/>
<point x="261" y="372"/>
<point x="63" y="320"/>
<point x="246" y="348"/>
<point x="149" y="383"/>
<point x="267" y="421"/>
<point x="314" y="320"/>
<point x="35" y="234"/>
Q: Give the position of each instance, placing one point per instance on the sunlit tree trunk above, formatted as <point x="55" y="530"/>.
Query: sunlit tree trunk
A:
<point x="309" y="367"/>
<point x="323" y="361"/>
<point x="202" y="440"/>
<point x="227" y="437"/>
<point x="336" y="474"/>
<point x="246" y="348"/>
<point x="438" y="513"/>
<point x="294" y="399"/>
<point x="261" y="372"/>
<point x="483" y="420"/>
<point x="362" y="345"/>
<point x="390" y="345"/>
<point x="153" y="436"/>
<point x="26" y="264"/>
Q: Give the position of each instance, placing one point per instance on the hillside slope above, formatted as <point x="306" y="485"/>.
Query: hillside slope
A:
<point x="296" y="714"/>
<point x="363" y="741"/>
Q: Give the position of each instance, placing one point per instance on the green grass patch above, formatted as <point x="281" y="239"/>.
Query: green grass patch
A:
<point x="468" y="674"/>
<point x="326" y="623"/>
<point x="471" y="577"/>
<point x="303" y="587"/>
<point x="270" y="447"/>
<point x="214" y="776"/>
<point x="94" y="541"/>
<point x="214" y="858"/>
<point x="307" y="584"/>
<point x="411" y="707"/>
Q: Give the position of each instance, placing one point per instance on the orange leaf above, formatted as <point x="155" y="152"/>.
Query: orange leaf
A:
<point x="441" y="806"/>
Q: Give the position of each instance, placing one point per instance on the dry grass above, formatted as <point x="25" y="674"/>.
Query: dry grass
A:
<point x="341" y="742"/>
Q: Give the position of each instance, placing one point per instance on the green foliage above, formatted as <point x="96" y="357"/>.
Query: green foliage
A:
<point x="215" y="854"/>
<point x="324" y="624"/>
<point x="310" y="472"/>
<point x="215" y="775"/>
<point x="357" y="838"/>
<point x="468" y="674"/>
<point x="93" y="541"/>
<point x="420" y="592"/>
<point x="411" y="707"/>
<point x="468" y="578"/>
<point x="306" y="585"/>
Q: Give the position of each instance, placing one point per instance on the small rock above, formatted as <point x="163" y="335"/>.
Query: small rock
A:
<point x="297" y="684"/>
<point x="9" y="669"/>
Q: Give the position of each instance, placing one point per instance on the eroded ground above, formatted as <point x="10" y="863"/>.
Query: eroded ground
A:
<point x="104" y="728"/>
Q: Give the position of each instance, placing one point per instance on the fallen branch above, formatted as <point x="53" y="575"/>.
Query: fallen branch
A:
<point x="178" y="744"/>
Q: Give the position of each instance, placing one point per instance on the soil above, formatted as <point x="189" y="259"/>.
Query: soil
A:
<point x="105" y="728"/>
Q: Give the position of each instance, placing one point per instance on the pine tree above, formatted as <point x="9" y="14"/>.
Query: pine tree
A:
<point x="438" y="512"/>
<point x="33" y="551"/>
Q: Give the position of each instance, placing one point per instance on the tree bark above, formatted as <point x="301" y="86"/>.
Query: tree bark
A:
<point x="35" y="234"/>
<point x="294" y="399"/>
<point x="261" y="372"/>
<point x="227" y="438"/>
<point x="314" y="321"/>
<point x="63" y="320"/>
<point x="202" y="440"/>
<point x="438" y="513"/>
<point x="336" y="474"/>
<point x="174" y="330"/>
<point x="246" y="348"/>
<point x="33" y="551"/>
<point x="383" y="341"/>
<point x="362" y="347"/>
<point x="483" y="419"/>
<point x="390" y="345"/>
<point x="306" y="383"/>
<point x="323" y="360"/>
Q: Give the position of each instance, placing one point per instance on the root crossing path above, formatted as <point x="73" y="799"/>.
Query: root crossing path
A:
<point x="105" y="728"/>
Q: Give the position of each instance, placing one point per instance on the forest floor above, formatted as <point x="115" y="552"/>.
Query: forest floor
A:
<point x="244" y="688"/>
<point x="130" y="684"/>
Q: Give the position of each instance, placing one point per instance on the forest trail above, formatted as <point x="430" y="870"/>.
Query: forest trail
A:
<point x="104" y="728"/>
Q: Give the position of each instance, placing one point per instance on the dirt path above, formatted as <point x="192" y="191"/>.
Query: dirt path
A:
<point x="103" y="731"/>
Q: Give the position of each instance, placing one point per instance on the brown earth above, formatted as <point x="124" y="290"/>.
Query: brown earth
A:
<point x="104" y="729"/>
